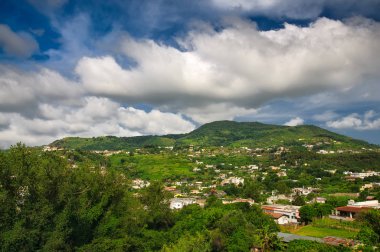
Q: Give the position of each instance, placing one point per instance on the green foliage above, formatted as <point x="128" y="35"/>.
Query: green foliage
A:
<point x="299" y="201"/>
<point x="368" y="236"/>
<point x="189" y="243"/>
<point x="153" y="166"/>
<point x="307" y="213"/>
<point x="370" y="232"/>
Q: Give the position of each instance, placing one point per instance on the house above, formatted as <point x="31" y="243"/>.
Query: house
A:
<point x="233" y="180"/>
<point x="304" y="191"/>
<point x="353" y="208"/>
<point x="139" y="183"/>
<point x="272" y="199"/>
<point x="279" y="218"/>
<point x="291" y="212"/>
<point x="178" y="203"/>
<point x="360" y="175"/>
<point x="320" y="200"/>
<point x="253" y="167"/>
<point x="369" y="186"/>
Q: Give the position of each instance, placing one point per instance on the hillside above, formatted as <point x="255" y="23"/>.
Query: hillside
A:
<point x="222" y="133"/>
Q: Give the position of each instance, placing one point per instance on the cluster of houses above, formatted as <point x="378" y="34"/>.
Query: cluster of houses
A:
<point x="360" y="175"/>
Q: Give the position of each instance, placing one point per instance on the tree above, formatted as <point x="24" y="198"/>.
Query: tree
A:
<point x="252" y="189"/>
<point x="156" y="201"/>
<point x="368" y="236"/>
<point x="189" y="243"/>
<point x="299" y="201"/>
<point x="371" y="219"/>
<point x="283" y="188"/>
<point x="269" y="240"/>
<point x="307" y="213"/>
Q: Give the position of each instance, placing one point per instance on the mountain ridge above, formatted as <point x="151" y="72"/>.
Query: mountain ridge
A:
<point x="220" y="133"/>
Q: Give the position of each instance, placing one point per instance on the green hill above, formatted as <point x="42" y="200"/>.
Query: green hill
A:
<point x="222" y="133"/>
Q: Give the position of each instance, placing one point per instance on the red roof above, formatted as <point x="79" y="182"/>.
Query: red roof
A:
<point x="353" y="209"/>
<point x="268" y="208"/>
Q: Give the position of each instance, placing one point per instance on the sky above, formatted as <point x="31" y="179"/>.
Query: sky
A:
<point x="153" y="67"/>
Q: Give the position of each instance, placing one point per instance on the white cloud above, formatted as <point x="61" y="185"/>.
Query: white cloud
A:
<point x="356" y="121"/>
<point x="19" y="44"/>
<point x="239" y="65"/>
<point x="23" y="90"/>
<point x="93" y="117"/>
<point x="295" y="122"/>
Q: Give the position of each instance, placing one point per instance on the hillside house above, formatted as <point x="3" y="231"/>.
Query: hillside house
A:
<point x="291" y="212"/>
<point x="178" y="203"/>
<point x="353" y="208"/>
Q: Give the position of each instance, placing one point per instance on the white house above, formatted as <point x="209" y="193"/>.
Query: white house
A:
<point x="178" y="203"/>
<point x="233" y="180"/>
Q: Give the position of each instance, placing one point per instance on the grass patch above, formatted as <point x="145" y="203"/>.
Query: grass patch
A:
<point x="154" y="166"/>
<point x="324" y="231"/>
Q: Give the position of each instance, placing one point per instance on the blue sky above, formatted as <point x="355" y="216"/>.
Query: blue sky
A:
<point x="90" y="68"/>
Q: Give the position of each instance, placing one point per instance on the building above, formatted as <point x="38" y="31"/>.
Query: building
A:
<point x="272" y="199"/>
<point x="360" y="175"/>
<point x="233" y="180"/>
<point x="291" y="212"/>
<point x="353" y="208"/>
<point x="178" y="203"/>
<point x="320" y="200"/>
<point x="139" y="183"/>
<point x="279" y="218"/>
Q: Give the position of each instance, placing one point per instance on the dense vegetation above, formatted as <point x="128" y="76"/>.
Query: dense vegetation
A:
<point x="48" y="205"/>
<point x="221" y="133"/>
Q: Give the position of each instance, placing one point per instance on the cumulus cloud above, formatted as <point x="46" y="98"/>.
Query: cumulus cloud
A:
<point x="22" y="91"/>
<point x="295" y="122"/>
<point x="239" y="65"/>
<point x="19" y="44"/>
<point x="93" y="117"/>
<point x="368" y="121"/>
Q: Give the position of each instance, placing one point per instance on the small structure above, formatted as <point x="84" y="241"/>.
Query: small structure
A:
<point x="139" y="183"/>
<point x="178" y="203"/>
<point x="320" y="200"/>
